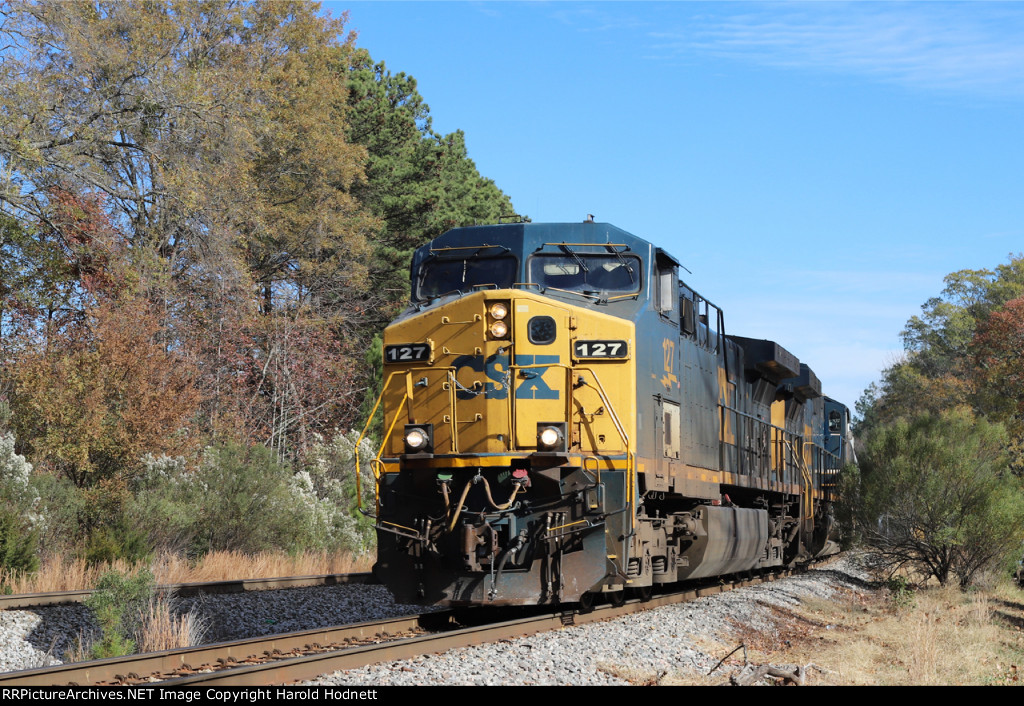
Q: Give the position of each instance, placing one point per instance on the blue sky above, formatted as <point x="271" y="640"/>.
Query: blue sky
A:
<point x="819" y="167"/>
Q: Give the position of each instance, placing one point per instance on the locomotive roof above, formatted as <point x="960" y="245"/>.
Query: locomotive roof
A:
<point x="528" y="237"/>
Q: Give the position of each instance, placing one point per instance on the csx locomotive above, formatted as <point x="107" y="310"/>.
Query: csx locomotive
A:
<point x="565" y="418"/>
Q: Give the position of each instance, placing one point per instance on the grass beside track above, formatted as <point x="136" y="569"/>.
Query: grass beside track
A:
<point x="59" y="573"/>
<point x="933" y="636"/>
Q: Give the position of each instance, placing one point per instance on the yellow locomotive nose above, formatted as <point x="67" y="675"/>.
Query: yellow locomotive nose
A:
<point x="493" y="369"/>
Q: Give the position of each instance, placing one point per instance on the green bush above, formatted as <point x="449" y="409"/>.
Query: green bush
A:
<point x="938" y="497"/>
<point x="93" y="523"/>
<point x="243" y="501"/>
<point x="117" y="604"/>
<point x="166" y="504"/>
<point x="62" y="511"/>
<point x="239" y="499"/>
<point x="902" y="592"/>
<point x="18" y="543"/>
<point x="120" y="541"/>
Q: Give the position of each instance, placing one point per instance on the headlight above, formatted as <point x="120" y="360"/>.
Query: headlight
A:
<point x="551" y="436"/>
<point x="418" y="438"/>
<point x="499" y="329"/>
<point x="498" y="310"/>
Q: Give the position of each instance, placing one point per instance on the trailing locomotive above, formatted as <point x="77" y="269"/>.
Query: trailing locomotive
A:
<point x="564" y="418"/>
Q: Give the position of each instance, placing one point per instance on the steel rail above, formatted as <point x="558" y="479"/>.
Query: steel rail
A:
<point x="39" y="600"/>
<point x="137" y="668"/>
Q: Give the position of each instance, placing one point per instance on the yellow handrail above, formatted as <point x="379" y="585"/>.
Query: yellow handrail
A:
<point x="376" y="461"/>
<point x="808" y="485"/>
<point x="362" y="434"/>
<point x="377" y="464"/>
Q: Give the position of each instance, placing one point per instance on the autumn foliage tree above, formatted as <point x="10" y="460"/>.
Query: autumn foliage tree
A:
<point x="997" y="352"/>
<point x="956" y="350"/>
<point x="96" y="384"/>
<point x="206" y="214"/>
<point x="195" y="120"/>
<point x="105" y="394"/>
<point x="277" y="379"/>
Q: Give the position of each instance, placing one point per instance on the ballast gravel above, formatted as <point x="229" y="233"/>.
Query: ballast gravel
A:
<point x="44" y="636"/>
<point x="636" y="649"/>
<point x="628" y="650"/>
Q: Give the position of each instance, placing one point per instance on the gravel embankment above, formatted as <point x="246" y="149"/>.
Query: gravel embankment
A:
<point x="657" y="643"/>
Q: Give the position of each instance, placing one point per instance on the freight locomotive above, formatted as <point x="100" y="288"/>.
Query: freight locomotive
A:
<point x="565" y="418"/>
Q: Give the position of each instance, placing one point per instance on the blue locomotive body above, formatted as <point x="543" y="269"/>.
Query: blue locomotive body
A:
<point x="565" y="418"/>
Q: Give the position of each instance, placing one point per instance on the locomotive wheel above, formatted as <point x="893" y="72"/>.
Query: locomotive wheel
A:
<point x="586" y="602"/>
<point x="617" y="598"/>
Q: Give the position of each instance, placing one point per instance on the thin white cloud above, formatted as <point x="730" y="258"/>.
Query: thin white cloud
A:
<point x="975" y="47"/>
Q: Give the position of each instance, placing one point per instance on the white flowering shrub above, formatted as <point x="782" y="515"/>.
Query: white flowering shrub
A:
<point x="157" y="470"/>
<point x="245" y="499"/>
<point x="14" y="469"/>
<point x="15" y="476"/>
<point x="326" y="490"/>
<point x="20" y="520"/>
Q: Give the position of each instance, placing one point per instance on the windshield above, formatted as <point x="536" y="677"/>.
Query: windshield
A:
<point x="600" y="274"/>
<point x="437" y="276"/>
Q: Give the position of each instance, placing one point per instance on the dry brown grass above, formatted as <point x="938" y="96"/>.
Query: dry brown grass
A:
<point x="223" y="566"/>
<point x="163" y="630"/>
<point x="159" y="628"/>
<point x="59" y="573"/>
<point x="80" y="651"/>
<point x="943" y="637"/>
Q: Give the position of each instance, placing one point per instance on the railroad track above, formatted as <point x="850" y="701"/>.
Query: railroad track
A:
<point x="41" y="600"/>
<point x="292" y="657"/>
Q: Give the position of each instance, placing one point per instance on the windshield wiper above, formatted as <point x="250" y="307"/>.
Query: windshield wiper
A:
<point x="475" y="248"/>
<point x="572" y="253"/>
<point x="618" y="256"/>
<point x="577" y="292"/>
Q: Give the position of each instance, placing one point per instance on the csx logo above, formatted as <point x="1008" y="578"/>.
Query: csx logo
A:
<point x="530" y="386"/>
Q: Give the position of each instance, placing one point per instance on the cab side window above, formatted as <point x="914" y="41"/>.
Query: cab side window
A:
<point x="665" y="287"/>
